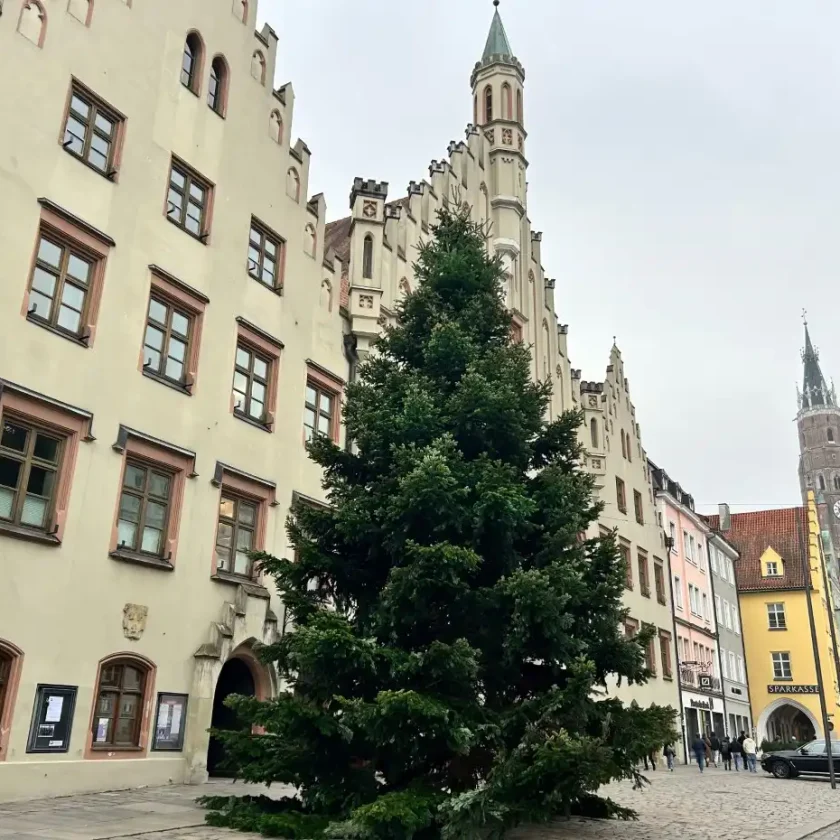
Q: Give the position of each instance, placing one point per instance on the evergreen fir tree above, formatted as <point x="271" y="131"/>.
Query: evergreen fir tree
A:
<point x="452" y="628"/>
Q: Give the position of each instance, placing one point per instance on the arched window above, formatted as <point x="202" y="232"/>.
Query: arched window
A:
<point x="217" y="92"/>
<point x="837" y="482"/>
<point x="830" y="434"/>
<point x="191" y="62"/>
<point x="629" y="448"/>
<point x="275" y="127"/>
<point x="293" y="184"/>
<point x="240" y="10"/>
<point x="623" y="445"/>
<point x="326" y="295"/>
<point x="519" y="115"/>
<point x="310" y="240"/>
<point x="507" y="102"/>
<point x="488" y="104"/>
<point x="367" y="258"/>
<point x="258" y="66"/>
<point x="32" y="23"/>
<point x="82" y="10"/>
<point x="475" y="109"/>
<point x="822" y="482"/>
<point x="10" y="659"/>
<point x="546" y="349"/>
<point x="122" y="690"/>
<point x="593" y="432"/>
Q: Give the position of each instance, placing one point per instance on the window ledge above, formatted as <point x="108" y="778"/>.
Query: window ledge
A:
<point x="142" y="560"/>
<point x="56" y="331"/>
<point x="108" y="748"/>
<point x="240" y="415"/>
<point x="668" y="677"/>
<point x="111" y="177"/>
<point x="251" y="587"/>
<point x="277" y="290"/>
<point x="21" y="533"/>
<point x="663" y="601"/>
<point x="777" y="629"/>
<point x="782" y="679"/>
<point x="175" y="386"/>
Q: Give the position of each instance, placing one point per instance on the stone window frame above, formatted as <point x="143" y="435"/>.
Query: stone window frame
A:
<point x="176" y="294"/>
<point x="621" y="495"/>
<point x="239" y="484"/>
<point x="644" y="572"/>
<point x="179" y="464"/>
<point x="97" y="105"/>
<point x="193" y="83"/>
<point x="218" y="103"/>
<point x="325" y="382"/>
<point x="257" y="341"/>
<point x="665" y="639"/>
<point x="625" y="550"/>
<point x="12" y="655"/>
<point x="266" y="233"/>
<point x="72" y="425"/>
<point x="68" y="231"/>
<point x="111" y="753"/>
<point x="191" y="176"/>
<point x="42" y="35"/>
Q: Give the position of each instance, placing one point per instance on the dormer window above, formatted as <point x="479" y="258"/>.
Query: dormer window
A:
<point x="771" y="569"/>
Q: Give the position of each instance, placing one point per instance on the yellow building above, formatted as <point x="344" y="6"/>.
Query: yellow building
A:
<point x="772" y="589"/>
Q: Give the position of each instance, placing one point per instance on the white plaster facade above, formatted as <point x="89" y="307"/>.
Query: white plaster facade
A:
<point x="63" y="594"/>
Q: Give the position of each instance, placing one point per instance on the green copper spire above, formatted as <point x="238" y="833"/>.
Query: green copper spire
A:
<point x="497" y="40"/>
<point x="815" y="393"/>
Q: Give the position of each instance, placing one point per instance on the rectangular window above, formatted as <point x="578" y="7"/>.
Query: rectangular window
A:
<point x="30" y="460"/>
<point x="692" y="599"/>
<point x="701" y="556"/>
<point x="678" y="593"/>
<point x="644" y="581"/>
<point x="319" y="414"/>
<point x="697" y="652"/>
<point x="188" y="200"/>
<point x="781" y="666"/>
<point x="637" y="505"/>
<point x="692" y="556"/>
<point x="742" y="674"/>
<point x="61" y="284"/>
<point x="705" y="607"/>
<point x="166" y="345"/>
<point x="650" y="655"/>
<point x="624" y="552"/>
<point x="727" y="616"/>
<point x="119" y="706"/>
<point x="736" y="624"/>
<point x="91" y="130"/>
<point x="687" y="547"/>
<point x="631" y="627"/>
<point x="235" y="535"/>
<point x="665" y="653"/>
<point x="723" y="664"/>
<point x="718" y="613"/>
<point x="265" y="256"/>
<point x="713" y="559"/>
<point x="659" y="581"/>
<point x="620" y="495"/>
<point x="144" y="510"/>
<point x="776" y="616"/>
<point x="672" y="528"/>
<point x="772" y="568"/>
<point x="733" y="668"/>
<point x="250" y="384"/>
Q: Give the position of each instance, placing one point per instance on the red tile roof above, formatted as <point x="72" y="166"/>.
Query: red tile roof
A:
<point x="337" y="236"/>
<point x="784" y="530"/>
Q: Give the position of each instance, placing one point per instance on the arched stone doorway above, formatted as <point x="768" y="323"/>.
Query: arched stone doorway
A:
<point x="787" y="720"/>
<point x="236" y="677"/>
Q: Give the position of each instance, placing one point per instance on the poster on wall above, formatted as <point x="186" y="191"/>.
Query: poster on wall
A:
<point x="170" y="720"/>
<point x="52" y="719"/>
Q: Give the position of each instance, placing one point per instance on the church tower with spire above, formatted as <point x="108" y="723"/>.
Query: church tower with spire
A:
<point x="818" y="425"/>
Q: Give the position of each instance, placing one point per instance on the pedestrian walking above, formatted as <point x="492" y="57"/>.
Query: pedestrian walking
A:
<point x="726" y="753"/>
<point x="750" y="750"/>
<point x="699" y="749"/>
<point x="714" y="742"/>
<point x="737" y="753"/>
<point x="650" y="759"/>
<point x="708" y="743"/>
<point x="669" y="754"/>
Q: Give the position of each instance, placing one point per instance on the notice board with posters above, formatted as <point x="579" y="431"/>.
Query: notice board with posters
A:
<point x="170" y="719"/>
<point x="52" y="719"/>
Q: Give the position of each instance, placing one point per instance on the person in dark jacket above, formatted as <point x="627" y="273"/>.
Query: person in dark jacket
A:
<point x="669" y="754"/>
<point x="737" y="753"/>
<point x="698" y="747"/>
<point x="714" y="742"/>
<point x="726" y="753"/>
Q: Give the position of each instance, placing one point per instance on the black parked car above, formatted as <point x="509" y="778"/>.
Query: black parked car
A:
<point x="809" y="760"/>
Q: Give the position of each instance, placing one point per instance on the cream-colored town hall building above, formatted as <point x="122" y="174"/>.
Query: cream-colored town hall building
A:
<point x="177" y="319"/>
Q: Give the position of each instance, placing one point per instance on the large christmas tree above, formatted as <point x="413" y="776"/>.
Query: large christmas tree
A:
<point x="452" y="627"/>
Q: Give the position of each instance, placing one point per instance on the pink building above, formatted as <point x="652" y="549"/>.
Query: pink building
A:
<point x="695" y="630"/>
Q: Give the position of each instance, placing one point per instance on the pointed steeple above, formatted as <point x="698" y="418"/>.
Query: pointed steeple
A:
<point x="815" y="391"/>
<point x="497" y="44"/>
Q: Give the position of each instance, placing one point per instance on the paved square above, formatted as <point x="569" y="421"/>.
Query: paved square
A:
<point x="687" y="805"/>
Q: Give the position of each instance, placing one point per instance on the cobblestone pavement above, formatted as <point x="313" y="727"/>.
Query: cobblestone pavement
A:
<point x="684" y="805"/>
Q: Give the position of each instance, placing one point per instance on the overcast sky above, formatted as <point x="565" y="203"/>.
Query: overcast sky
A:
<point x="683" y="169"/>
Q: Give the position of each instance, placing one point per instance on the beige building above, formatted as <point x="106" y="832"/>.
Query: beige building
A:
<point x="616" y="458"/>
<point x="169" y="334"/>
<point x="177" y="319"/>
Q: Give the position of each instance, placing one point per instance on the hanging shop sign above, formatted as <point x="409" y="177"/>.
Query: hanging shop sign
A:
<point x="793" y="689"/>
<point x="52" y="719"/>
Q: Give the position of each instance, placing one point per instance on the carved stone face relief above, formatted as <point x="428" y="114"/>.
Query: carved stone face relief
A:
<point x="134" y="620"/>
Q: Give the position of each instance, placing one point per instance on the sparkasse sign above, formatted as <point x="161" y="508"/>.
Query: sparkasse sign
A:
<point x="793" y="689"/>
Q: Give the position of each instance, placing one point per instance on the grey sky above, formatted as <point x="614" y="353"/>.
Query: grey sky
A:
<point x="683" y="169"/>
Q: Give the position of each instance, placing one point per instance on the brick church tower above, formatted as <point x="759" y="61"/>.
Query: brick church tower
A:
<point x="818" y="424"/>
